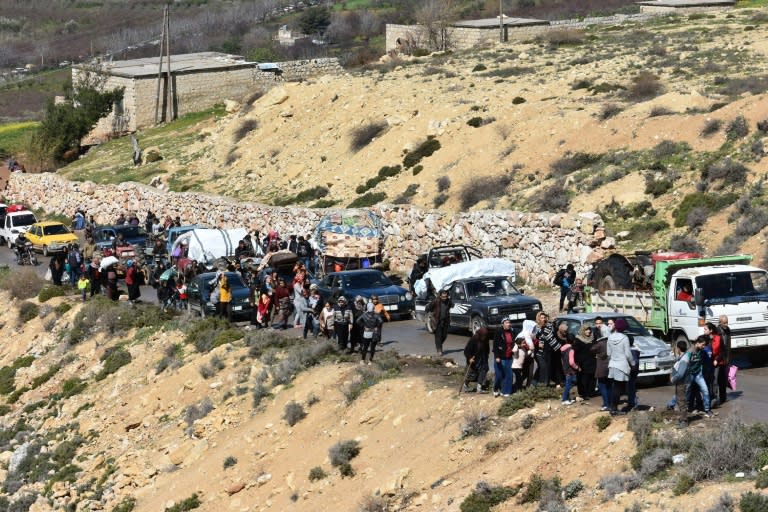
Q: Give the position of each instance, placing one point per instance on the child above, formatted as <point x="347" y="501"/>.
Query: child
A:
<point x="679" y="378"/>
<point x="181" y="290"/>
<point x="570" y="368"/>
<point x="519" y="355"/>
<point x="82" y="285"/>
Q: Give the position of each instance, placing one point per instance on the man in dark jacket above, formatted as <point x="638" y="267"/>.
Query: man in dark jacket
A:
<point x="541" y="351"/>
<point x="440" y="309"/>
<point x="342" y="321"/>
<point x="721" y="370"/>
<point x="417" y="272"/>
<point x="370" y="331"/>
<point x="503" y="345"/>
<point x="476" y="354"/>
<point x="565" y="279"/>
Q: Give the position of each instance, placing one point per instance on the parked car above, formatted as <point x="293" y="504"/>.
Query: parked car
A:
<point x="351" y="283"/>
<point x="134" y="235"/>
<point x="16" y="220"/>
<point x="199" y="293"/>
<point x="49" y="237"/>
<point x="656" y="357"/>
<point x="484" y="301"/>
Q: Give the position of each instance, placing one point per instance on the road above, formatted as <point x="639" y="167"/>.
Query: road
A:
<point x="410" y="337"/>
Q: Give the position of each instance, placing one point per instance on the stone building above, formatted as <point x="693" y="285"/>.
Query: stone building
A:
<point x="198" y="81"/>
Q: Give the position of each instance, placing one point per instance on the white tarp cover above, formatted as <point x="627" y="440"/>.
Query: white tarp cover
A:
<point x="443" y="276"/>
<point x="205" y="245"/>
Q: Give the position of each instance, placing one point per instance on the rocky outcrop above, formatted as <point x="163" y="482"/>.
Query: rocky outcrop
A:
<point x="539" y="243"/>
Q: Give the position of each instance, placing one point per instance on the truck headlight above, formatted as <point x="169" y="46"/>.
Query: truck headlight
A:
<point x="536" y="307"/>
<point x="408" y="296"/>
<point x="494" y="311"/>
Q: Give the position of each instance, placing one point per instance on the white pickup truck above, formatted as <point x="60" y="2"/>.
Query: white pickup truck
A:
<point x="13" y="223"/>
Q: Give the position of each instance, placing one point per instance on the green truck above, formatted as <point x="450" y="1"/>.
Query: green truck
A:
<point x="675" y="297"/>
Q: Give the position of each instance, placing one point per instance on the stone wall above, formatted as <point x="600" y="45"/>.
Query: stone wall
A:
<point x="463" y="38"/>
<point x="195" y="91"/>
<point x="539" y="243"/>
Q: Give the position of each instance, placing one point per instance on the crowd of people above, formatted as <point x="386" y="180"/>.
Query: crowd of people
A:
<point x="599" y="361"/>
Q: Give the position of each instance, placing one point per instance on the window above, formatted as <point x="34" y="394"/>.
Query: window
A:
<point x="458" y="292"/>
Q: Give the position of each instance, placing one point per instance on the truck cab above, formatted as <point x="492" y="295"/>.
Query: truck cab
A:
<point x="15" y="222"/>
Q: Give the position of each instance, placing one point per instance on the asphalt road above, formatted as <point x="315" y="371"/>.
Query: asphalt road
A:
<point x="409" y="337"/>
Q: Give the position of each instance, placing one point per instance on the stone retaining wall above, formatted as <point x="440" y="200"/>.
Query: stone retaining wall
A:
<point x="539" y="243"/>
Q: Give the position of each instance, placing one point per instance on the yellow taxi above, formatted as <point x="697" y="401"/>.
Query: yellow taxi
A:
<point x="50" y="237"/>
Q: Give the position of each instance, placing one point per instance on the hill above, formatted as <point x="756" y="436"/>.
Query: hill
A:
<point x="664" y="141"/>
<point x="109" y="407"/>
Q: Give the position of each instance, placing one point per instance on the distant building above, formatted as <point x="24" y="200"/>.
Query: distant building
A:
<point x="286" y="37"/>
<point x="684" y="6"/>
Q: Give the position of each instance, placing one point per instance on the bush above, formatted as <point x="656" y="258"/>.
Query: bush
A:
<point x="72" y="387"/>
<point x="616" y="484"/>
<point x="345" y="469"/>
<point x="602" y="422"/>
<point x="114" y="358"/>
<point x="643" y="229"/>
<point x="518" y="100"/>
<point x="728" y="170"/>
<point x="229" y="462"/>
<point x="755" y="84"/>
<point x="684" y="243"/>
<point x="729" y="448"/>
<point x="573" y="162"/>
<point x="198" y="411"/>
<point x="187" y="504"/>
<point x="667" y="148"/>
<point x="443" y="183"/>
<point x="484" y="187"/>
<point x="697" y="217"/>
<point x="317" y="473"/>
<point x="737" y="128"/>
<point x="171" y="359"/>
<point x="554" y="198"/>
<point x="343" y="452"/>
<point x="572" y="489"/>
<point x="712" y="202"/>
<point x="479" y="67"/>
<point x="126" y="505"/>
<point x="389" y="171"/>
<point x="644" y="86"/>
<point x="417" y="169"/>
<point x="564" y="37"/>
<point x="369" y="199"/>
<point x="485" y="496"/>
<point x="711" y="127"/>
<point x="294" y="412"/>
<point x="654" y="462"/>
<point x="28" y="311"/>
<point x="62" y="308"/>
<point x="609" y="110"/>
<point x="203" y="333"/>
<point x="761" y="482"/>
<point x="526" y="399"/>
<point x="21" y="284"/>
<point x="658" y="187"/>
<point x="439" y="200"/>
<point x="724" y="504"/>
<point x="660" y="111"/>
<point x="48" y="292"/>
<point x="683" y="484"/>
<point x="424" y="150"/>
<point x="527" y="421"/>
<point x="475" y="424"/>
<point x="753" y="502"/>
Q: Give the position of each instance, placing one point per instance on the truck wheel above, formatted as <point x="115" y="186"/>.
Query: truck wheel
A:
<point x="476" y="324"/>
<point x="428" y="324"/>
<point x="614" y="273"/>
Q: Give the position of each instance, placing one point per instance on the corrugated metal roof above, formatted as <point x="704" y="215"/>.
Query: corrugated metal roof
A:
<point x="179" y="64"/>
<point x="494" y="22"/>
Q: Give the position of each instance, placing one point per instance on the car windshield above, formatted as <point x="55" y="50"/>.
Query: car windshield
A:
<point x="366" y="280"/>
<point x="633" y="326"/>
<point x="491" y="287"/>
<point x="734" y="287"/>
<point x="56" y="229"/>
<point x="133" y="232"/>
<point x="24" y="220"/>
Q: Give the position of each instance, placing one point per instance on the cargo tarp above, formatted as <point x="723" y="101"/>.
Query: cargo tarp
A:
<point x="349" y="234"/>
<point x="206" y="245"/>
<point x="443" y="276"/>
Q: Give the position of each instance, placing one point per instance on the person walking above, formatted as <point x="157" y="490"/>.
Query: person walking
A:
<point x="696" y="375"/>
<point x="342" y="322"/>
<point x="132" y="281"/>
<point x="476" y="353"/>
<point x="722" y="358"/>
<point x="440" y="309"/>
<point x="599" y="349"/>
<point x="585" y="378"/>
<point x="542" y="350"/>
<point x="570" y="366"/>
<point x="370" y="326"/>
<point x="619" y="361"/>
<point x="503" y="347"/>
<point x="564" y="278"/>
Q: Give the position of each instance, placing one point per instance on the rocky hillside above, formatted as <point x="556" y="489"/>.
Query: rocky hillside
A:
<point x="657" y="125"/>
<point x="118" y="408"/>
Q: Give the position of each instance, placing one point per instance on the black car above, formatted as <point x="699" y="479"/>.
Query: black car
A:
<point x="134" y="235"/>
<point x="483" y="302"/>
<point x="199" y="293"/>
<point x="350" y="283"/>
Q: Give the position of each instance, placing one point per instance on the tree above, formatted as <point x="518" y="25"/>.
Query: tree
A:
<point x="436" y="16"/>
<point x="65" y="124"/>
<point x="315" y="20"/>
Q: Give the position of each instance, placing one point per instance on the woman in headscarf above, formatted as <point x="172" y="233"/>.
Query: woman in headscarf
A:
<point x="619" y="362"/>
<point x="585" y="378"/>
<point x="528" y="334"/>
<point x="476" y="353"/>
<point x="599" y="349"/>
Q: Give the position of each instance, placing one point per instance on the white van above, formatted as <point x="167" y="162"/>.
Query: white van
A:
<point x="15" y="223"/>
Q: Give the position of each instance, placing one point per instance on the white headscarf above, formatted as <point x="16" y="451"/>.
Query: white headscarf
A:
<point x="530" y="329"/>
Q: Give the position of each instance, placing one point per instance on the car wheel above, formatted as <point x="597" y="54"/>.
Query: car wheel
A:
<point x="428" y="323"/>
<point x="680" y="336"/>
<point x="45" y="250"/>
<point x="34" y="260"/>
<point x="477" y="323"/>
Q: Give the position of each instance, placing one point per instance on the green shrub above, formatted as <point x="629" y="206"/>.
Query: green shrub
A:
<point x="187" y="504"/>
<point x="21" y="284"/>
<point x="4" y="409"/>
<point x="711" y="127"/>
<point x="644" y="86"/>
<point x="72" y="387"/>
<point x="229" y="462"/>
<point x="646" y="228"/>
<point x="424" y="150"/>
<point x="484" y="497"/>
<point x="572" y="489"/>
<point x="475" y="424"/>
<point x="753" y="502"/>
<point x="362" y="135"/>
<point x="346" y="470"/>
<point x="50" y="291"/>
<point x="602" y="422"/>
<point x="526" y="399"/>
<point x="711" y="201"/>
<point x="126" y="505"/>
<point x="317" y="473"/>
<point x="738" y="128"/>
<point x="45" y="377"/>
<point x="389" y="171"/>
<point x="62" y="308"/>
<point x="485" y="187"/>
<point x="479" y="67"/>
<point x="517" y="100"/>
<point x="573" y="162"/>
<point x="658" y="187"/>
<point x="325" y="203"/>
<point x="369" y="199"/>
<point x="683" y="484"/>
<point x="417" y="169"/>
<point x="113" y="358"/>
<point x="28" y="311"/>
<point x="533" y="490"/>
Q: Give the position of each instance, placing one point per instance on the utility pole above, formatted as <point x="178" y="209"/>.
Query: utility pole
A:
<point x="171" y="91"/>
<point x="160" y="69"/>
<point x="501" y="21"/>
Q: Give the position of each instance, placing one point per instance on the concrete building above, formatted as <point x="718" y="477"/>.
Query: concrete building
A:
<point x="198" y="81"/>
<point x="684" y="6"/>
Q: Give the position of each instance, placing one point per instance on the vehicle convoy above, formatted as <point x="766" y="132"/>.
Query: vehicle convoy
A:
<point x="681" y="293"/>
<point x="482" y="292"/>
<point x="656" y="357"/>
<point x="17" y="219"/>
